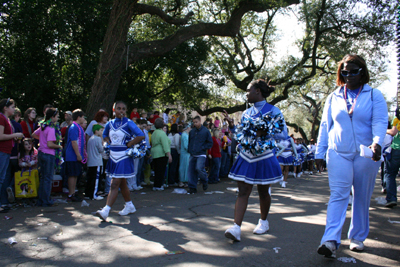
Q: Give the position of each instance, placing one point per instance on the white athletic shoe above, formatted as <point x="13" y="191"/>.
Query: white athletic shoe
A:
<point x="98" y="198"/>
<point x="356" y="245"/>
<point x="102" y="214"/>
<point x="233" y="233"/>
<point x="158" y="188"/>
<point x="261" y="228"/>
<point x="283" y="184"/>
<point x="328" y="249"/>
<point x="65" y="190"/>
<point x="128" y="209"/>
<point x="294" y="175"/>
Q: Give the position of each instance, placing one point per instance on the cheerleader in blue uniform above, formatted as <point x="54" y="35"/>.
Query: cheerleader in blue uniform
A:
<point x="286" y="158"/>
<point x="121" y="134"/>
<point x="261" y="170"/>
<point x="301" y="155"/>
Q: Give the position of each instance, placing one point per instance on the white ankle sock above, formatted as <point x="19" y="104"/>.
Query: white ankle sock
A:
<point x="107" y="208"/>
<point x="129" y="203"/>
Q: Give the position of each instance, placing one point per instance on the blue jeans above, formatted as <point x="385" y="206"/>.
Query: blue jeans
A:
<point x="46" y="171"/>
<point x="197" y="169"/>
<point x="214" y="172"/>
<point x="140" y="172"/>
<point x="8" y="181"/>
<point x="4" y="161"/>
<point x="391" y="169"/>
<point x="225" y="164"/>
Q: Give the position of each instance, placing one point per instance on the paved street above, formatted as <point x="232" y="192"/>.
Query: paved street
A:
<point x="195" y="225"/>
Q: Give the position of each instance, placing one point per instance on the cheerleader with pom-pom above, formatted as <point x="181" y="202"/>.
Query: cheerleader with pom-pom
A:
<point x="301" y="155"/>
<point x="286" y="158"/>
<point x="256" y="164"/>
<point x="121" y="134"/>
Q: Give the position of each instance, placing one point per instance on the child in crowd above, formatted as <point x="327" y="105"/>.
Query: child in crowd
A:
<point x="75" y="154"/>
<point x="28" y="155"/>
<point x="95" y="162"/>
<point x="214" y="154"/>
<point x="134" y="114"/>
<point x="49" y="136"/>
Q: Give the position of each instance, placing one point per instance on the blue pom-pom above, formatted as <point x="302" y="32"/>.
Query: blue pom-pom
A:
<point x="246" y="132"/>
<point x="138" y="150"/>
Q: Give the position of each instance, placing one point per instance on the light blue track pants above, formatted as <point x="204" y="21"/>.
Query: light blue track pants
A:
<point x="345" y="172"/>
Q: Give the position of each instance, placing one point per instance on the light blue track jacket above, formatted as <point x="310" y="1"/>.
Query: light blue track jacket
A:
<point x="343" y="134"/>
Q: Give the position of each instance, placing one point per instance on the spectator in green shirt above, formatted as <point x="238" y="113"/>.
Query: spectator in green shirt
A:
<point x="161" y="153"/>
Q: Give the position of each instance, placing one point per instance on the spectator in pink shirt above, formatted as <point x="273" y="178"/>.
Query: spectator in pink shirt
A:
<point x="49" y="143"/>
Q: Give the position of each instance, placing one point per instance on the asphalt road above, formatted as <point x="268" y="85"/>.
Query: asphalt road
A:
<point x="195" y="225"/>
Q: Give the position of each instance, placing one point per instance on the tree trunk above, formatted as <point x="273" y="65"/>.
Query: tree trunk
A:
<point x="113" y="58"/>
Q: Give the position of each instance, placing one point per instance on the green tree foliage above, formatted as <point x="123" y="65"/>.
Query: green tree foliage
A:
<point x="49" y="50"/>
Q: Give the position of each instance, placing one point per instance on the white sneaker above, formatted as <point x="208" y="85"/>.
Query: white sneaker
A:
<point x="233" y="233"/>
<point x="65" y="191"/>
<point x="261" y="228"/>
<point x="283" y="184"/>
<point x="356" y="245"/>
<point x="98" y="198"/>
<point x="328" y="249"/>
<point x="143" y="183"/>
<point x="310" y="173"/>
<point x="10" y="195"/>
<point x="158" y="188"/>
<point x="128" y="209"/>
<point x="102" y="214"/>
<point x="294" y="175"/>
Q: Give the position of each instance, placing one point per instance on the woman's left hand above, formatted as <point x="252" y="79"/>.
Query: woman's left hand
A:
<point x="377" y="150"/>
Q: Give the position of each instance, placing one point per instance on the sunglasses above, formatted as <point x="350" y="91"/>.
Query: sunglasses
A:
<point x="346" y="73"/>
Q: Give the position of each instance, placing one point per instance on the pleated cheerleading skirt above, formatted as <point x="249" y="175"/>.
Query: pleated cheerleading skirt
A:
<point x="119" y="165"/>
<point x="262" y="169"/>
<point x="286" y="158"/>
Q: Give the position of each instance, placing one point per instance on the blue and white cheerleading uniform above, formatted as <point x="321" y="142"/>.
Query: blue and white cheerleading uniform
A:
<point x="286" y="157"/>
<point x="120" y="132"/>
<point x="300" y="155"/>
<point x="261" y="169"/>
<point x="311" y="151"/>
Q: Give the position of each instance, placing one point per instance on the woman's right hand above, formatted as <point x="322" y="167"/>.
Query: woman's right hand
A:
<point x="19" y="135"/>
<point x="170" y="159"/>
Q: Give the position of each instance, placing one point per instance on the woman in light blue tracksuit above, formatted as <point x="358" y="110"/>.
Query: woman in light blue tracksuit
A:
<point x="354" y="115"/>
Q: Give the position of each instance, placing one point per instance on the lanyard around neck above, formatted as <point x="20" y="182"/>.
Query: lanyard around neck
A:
<point x="355" y="100"/>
